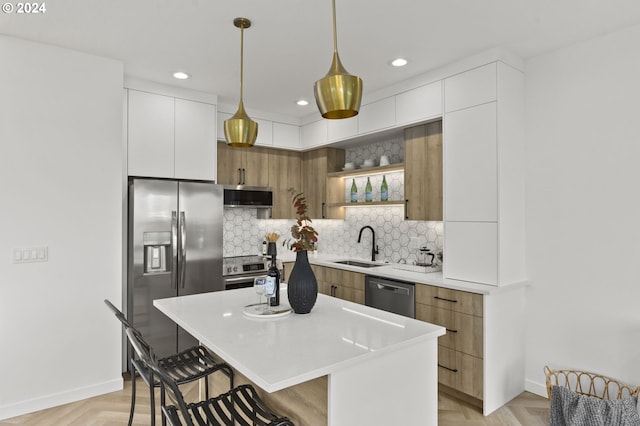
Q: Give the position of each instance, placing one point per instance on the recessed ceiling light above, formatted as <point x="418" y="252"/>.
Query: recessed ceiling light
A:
<point x="181" y="75"/>
<point x="399" y="62"/>
<point x="302" y="102"/>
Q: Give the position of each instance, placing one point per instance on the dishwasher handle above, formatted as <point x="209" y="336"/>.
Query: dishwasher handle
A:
<point x="392" y="288"/>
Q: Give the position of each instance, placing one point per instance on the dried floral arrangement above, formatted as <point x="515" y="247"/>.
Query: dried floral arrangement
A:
<point x="271" y="237"/>
<point x="304" y="236"/>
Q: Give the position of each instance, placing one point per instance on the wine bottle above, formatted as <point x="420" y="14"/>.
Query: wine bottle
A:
<point x="354" y="192"/>
<point x="368" y="196"/>
<point x="384" y="190"/>
<point x="273" y="275"/>
<point x="264" y="247"/>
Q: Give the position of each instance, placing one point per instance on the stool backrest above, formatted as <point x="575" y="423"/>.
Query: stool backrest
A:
<point x="127" y="325"/>
<point x="146" y="360"/>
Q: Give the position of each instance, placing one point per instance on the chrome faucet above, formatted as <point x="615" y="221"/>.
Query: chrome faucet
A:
<point x="374" y="247"/>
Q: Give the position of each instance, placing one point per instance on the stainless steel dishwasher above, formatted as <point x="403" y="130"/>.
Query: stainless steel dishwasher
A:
<point x="390" y="295"/>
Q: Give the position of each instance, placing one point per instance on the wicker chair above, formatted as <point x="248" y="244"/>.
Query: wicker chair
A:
<point x="590" y="384"/>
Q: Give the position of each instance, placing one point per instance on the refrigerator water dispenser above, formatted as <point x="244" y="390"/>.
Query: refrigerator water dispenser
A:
<point x="157" y="250"/>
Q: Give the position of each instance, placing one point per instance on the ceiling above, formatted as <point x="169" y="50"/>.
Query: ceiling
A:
<point x="289" y="44"/>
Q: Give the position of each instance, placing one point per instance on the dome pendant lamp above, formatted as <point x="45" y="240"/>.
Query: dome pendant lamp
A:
<point x="338" y="94"/>
<point x="240" y="130"/>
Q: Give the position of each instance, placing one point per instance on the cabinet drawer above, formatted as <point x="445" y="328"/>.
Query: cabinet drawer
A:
<point x="460" y="371"/>
<point x="344" y="278"/>
<point x="350" y="294"/>
<point x="455" y="300"/>
<point x="464" y="331"/>
<point x="319" y="272"/>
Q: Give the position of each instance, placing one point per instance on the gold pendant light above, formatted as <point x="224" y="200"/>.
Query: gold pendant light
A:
<point x="240" y="130"/>
<point x="339" y="93"/>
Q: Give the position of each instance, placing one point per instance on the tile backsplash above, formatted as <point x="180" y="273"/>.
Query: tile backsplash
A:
<point x="397" y="239"/>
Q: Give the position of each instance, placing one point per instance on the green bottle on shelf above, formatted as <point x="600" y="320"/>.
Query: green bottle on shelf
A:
<point x="384" y="190"/>
<point x="354" y="192"/>
<point x="368" y="197"/>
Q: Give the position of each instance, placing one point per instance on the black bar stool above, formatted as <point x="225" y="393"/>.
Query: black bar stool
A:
<point x="184" y="367"/>
<point x="240" y="406"/>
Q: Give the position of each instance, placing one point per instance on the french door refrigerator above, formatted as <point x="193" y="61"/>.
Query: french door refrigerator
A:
<point x="174" y="249"/>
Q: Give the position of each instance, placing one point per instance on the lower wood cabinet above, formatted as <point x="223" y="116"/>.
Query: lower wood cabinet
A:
<point x="345" y="285"/>
<point x="460" y="351"/>
<point x="460" y="371"/>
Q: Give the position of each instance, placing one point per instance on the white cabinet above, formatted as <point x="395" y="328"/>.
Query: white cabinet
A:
<point x="196" y="150"/>
<point x="484" y="176"/>
<point x="377" y="115"/>
<point x="286" y="136"/>
<point x="265" y="129"/>
<point x="471" y="88"/>
<point x="150" y="135"/>
<point x="314" y="134"/>
<point x="170" y="138"/>
<point x="345" y="128"/>
<point x="265" y="132"/>
<point x="222" y="116"/>
<point x="419" y="104"/>
<point x="471" y="151"/>
<point x="472" y="249"/>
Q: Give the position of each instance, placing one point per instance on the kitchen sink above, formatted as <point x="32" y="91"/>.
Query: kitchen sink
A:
<point x="358" y="263"/>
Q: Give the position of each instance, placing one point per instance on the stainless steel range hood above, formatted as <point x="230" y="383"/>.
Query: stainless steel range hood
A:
<point x="255" y="197"/>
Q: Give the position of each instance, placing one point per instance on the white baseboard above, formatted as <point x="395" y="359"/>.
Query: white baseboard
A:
<point x="53" y="400"/>
<point x="535" y="387"/>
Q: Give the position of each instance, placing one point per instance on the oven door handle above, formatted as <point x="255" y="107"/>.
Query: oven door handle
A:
<point x="245" y="278"/>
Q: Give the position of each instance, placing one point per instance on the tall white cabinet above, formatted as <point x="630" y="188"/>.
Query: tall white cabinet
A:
<point x="484" y="207"/>
<point x="171" y="137"/>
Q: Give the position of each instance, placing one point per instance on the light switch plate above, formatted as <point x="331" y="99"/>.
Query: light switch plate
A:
<point x="30" y="254"/>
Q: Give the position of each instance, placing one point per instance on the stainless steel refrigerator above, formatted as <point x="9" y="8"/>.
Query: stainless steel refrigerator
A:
<point x="174" y="249"/>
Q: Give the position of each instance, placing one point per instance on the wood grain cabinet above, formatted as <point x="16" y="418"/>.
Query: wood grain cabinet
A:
<point x="423" y="172"/>
<point x="243" y="166"/>
<point x="284" y="173"/>
<point x="319" y="190"/>
<point x="345" y="285"/>
<point x="460" y="351"/>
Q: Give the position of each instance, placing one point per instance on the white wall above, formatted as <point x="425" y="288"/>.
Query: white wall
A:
<point x="61" y="174"/>
<point x="583" y="208"/>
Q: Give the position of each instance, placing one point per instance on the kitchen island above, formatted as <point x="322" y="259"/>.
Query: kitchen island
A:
<point x="380" y="368"/>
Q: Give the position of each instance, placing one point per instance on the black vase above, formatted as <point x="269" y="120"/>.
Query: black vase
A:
<point x="302" y="286"/>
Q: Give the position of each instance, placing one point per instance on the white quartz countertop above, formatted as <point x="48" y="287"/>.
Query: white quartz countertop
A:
<point x="402" y="272"/>
<point x="276" y="353"/>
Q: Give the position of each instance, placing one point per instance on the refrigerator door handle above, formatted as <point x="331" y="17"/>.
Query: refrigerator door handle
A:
<point x="174" y="247"/>
<point x="183" y="249"/>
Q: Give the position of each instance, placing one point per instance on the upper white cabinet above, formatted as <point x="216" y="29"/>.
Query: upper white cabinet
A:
<point x="413" y="106"/>
<point x="314" y="134"/>
<point x="377" y="115"/>
<point x="171" y="138"/>
<point x="270" y="133"/>
<point x="150" y="137"/>
<point x="484" y="175"/>
<point x="286" y="136"/>
<point x="196" y="150"/>
<point x="345" y="128"/>
<point x="419" y="104"/>
<point x="471" y="88"/>
<point x="471" y="153"/>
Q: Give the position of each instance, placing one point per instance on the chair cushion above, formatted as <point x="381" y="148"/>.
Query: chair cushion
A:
<point x="569" y="408"/>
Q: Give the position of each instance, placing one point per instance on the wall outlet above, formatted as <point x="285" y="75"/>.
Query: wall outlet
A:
<point x="30" y="254"/>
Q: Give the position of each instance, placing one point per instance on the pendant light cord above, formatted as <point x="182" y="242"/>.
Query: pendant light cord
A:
<point x="335" y="33"/>
<point x="241" y="59"/>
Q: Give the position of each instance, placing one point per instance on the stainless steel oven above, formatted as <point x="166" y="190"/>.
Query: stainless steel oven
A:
<point x="240" y="271"/>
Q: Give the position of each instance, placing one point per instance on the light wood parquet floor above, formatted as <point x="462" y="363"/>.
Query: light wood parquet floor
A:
<point x="113" y="409"/>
